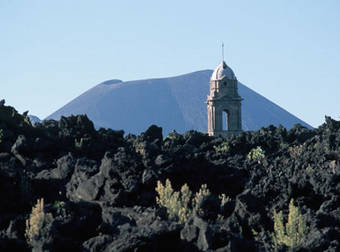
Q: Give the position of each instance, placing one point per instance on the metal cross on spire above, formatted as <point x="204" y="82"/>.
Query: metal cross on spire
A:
<point x="222" y="51"/>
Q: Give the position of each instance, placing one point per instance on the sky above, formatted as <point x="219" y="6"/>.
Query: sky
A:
<point x="288" y="51"/>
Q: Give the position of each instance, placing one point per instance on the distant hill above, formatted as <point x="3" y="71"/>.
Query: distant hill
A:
<point x="34" y="119"/>
<point x="172" y="103"/>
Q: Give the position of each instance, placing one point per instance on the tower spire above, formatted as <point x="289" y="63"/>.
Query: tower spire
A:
<point x="222" y="51"/>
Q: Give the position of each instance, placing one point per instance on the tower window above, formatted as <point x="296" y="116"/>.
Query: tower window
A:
<point x="225" y="117"/>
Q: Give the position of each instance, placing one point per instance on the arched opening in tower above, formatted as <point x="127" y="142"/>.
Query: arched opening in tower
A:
<point x="225" y="119"/>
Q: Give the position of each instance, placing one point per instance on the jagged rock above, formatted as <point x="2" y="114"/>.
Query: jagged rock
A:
<point x="12" y="231"/>
<point x="115" y="167"/>
<point x="206" y="236"/>
<point x="173" y="142"/>
<point x="65" y="167"/>
<point x="14" y="120"/>
<point x="159" y="236"/>
<point x="135" y="229"/>
<point x="20" y="146"/>
<point x="113" y="218"/>
<point x="84" y="169"/>
<point x="98" y="243"/>
<point x="195" y="138"/>
<point x="149" y="177"/>
<point x="4" y="156"/>
<point x="208" y="207"/>
<point x="78" y="221"/>
<point x="100" y="186"/>
<point x="89" y="189"/>
<point x="13" y="181"/>
<point x="153" y="133"/>
<point x="162" y="160"/>
<point x="43" y="145"/>
<point x="75" y="126"/>
<point x="189" y="233"/>
<point x="7" y="244"/>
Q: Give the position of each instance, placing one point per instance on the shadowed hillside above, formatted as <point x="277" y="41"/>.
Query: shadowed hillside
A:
<point x="173" y="103"/>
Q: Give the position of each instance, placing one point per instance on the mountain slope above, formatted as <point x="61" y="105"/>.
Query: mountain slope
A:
<point x="172" y="103"/>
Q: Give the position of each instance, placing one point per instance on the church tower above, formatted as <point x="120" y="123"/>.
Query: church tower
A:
<point x="224" y="103"/>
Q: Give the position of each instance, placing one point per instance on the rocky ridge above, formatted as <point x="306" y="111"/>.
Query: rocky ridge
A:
<point x="99" y="186"/>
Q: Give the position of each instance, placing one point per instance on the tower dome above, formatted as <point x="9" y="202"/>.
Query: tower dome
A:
<point x="223" y="71"/>
<point x="224" y="103"/>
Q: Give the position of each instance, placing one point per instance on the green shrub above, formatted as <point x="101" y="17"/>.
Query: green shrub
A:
<point x="180" y="205"/>
<point x="223" y="147"/>
<point x="36" y="225"/>
<point x="82" y="143"/>
<point x="224" y="200"/>
<point x="309" y="169"/>
<point x="290" y="234"/>
<point x="176" y="203"/>
<point x="58" y="204"/>
<point x="293" y="233"/>
<point x="295" y="151"/>
<point x="256" y="154"/>
<point x="203" y="192"/>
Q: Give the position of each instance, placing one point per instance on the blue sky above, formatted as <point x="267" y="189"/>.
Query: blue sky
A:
<point x="288" y="51"/>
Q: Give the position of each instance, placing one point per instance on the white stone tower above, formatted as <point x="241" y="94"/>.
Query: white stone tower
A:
<point x="224" y="98"/>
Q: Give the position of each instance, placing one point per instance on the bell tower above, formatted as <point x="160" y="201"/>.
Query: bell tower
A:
<point x="224" y="103"/>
